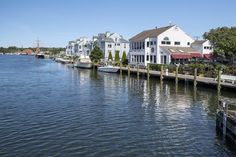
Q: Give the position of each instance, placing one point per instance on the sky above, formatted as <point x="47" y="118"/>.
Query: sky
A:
<point x="55" y="22"/>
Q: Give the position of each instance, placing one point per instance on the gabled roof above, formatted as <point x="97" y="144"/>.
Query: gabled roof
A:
<point x="199" y="42"/>
<point x="150" y="33"/>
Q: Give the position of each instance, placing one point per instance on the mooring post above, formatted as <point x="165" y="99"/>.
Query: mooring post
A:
<point x="176" y="74"/>
<point x="148" y="74"/>
<point x="195" y="77"/>
<point x="218" y="82"/>
<point x="137" y="70"/>
<point x="128" y="70"/>
<point x="120" y="68"/>
<point x="161" y="75"/>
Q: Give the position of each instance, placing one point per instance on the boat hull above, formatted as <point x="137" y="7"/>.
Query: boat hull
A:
<point x="86" y="65"/>
<point x="108" y="69"/>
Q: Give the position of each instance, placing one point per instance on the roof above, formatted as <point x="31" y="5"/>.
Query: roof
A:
<point x="182" y="52"/>
<point x="199" y="42"/>
<point x="150" y="33"/>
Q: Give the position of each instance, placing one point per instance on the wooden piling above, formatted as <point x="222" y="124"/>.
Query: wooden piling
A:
<point x="219" y="83"/>
<point x="137" y="71"/>
<point x="129" y="71"/>
<point x="148" y="71"/>
<point x="176" y="75"/>
<point x="161" y="75"/>
<point x="120" y="68"/>
<point x="195" y="78"/>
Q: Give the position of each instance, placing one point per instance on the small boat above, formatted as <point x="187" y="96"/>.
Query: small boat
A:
<point x="63" y="60"/>
<point x="84" y="62"/>
<point x="108" y="69"/>
<point x="40" y="55"/>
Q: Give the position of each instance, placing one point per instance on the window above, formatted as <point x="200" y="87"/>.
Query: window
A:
<point x="151" y="43"/>
<point x="154" y="58"/>
<point x="148" y="44"/>
<point x="168" y="42"/>
<point x="109" y="45"/>
<point x="151" y="58"/>
<point x="166" y="38"/>
<point x="152" y="49"/>
<point x="143" y="58"/>
<point x="147" y="58"/>
<point x="188" y="43"/>
<point x="163" y="42"/>
<point x="155" y="42"/>
<point x="177" y="43"/>
<point x="163" y="59"/>
<point x="205" y="47"/>
<point x="124" y="45"/>
<point x="143" y="45"/>
<point x="118" y="44"/>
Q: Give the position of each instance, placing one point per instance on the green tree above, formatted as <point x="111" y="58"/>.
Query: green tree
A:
<point x="223" y="40"/>
<point x="110" y="58"/>
<point x="124" y="57"/>
<point x="117" y="56"/>
<point x="96" y="54"/>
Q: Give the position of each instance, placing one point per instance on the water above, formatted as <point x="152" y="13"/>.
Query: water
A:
<point x="48" y="109"/>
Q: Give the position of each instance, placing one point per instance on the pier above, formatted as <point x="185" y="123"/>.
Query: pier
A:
<point x="226" y="121"/>
<point x="181" y="77"/>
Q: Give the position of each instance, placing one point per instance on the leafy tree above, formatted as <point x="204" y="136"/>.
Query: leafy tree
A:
<point x="117" y="56"/>
<point x="223" y="40"/>
<point x="96" y="54"/>
<point x="110" y="58"/>
<point x="124" y="57"/>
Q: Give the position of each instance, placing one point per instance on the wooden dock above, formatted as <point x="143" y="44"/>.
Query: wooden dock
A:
<point x="226" y="121"/>
<point x="183" y="77"/>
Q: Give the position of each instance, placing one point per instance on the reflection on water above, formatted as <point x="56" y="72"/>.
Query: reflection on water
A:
<point x="53" y="110"/>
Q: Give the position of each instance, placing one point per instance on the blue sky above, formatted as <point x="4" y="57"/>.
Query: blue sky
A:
<point x="55" y="22"/>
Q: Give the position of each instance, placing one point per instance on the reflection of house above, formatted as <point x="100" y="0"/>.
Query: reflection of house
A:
<point x="111" y="43"/>
<point x="162" y="46"/>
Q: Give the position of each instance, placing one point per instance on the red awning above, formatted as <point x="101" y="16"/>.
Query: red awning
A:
<point x="196" y="55"/>
<point x="180" y="56"/>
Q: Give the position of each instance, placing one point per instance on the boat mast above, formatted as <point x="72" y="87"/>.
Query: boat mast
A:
<point x="37" y="49"/>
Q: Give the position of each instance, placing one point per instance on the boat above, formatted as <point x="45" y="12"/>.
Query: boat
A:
<point x="108" y="69"/>
<point x="40" y="55"/>
<point x="84" y="62"/>
<point x="63" y="60"/>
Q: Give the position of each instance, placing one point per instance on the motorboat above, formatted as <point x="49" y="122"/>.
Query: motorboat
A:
<point x="40" y="55"/>
<point x="84" y="62"/>
<point x="109" y="69"/>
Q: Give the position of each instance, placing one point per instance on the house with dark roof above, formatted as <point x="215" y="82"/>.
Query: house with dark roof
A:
<point x="161" y="46"/>
<point x="111" y="43"/>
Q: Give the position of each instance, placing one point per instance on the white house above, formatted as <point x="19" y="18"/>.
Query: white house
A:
<point x="111" y="43"/>
<point x="81" y="46"/>
<point x="203" y="46"/>
<point x="162" y="46"/>
<point x="70" y="48"/>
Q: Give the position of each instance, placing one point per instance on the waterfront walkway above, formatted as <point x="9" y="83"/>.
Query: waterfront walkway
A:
<point x="184" y="77"/>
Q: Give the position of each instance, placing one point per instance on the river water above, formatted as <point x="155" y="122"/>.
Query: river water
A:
<point x="49" y="109"/>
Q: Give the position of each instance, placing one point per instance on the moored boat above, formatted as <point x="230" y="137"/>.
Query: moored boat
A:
<point x="84" y="62"/>
<point x="108" y="69"/>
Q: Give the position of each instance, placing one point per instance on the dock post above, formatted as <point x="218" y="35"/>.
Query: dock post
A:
<point x="148" y="73"/>
<point x="195" y="78"/>
<point x="137" y="71"/>
<point x="161" y="75"/>
<point x="176" y="74"/>
<point x="218" y="82"/>
<point x="120" y="68"/>
<point x="128" y="70"/>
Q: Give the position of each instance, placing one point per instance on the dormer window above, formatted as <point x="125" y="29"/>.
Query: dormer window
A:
<point x="165" y="41"/>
